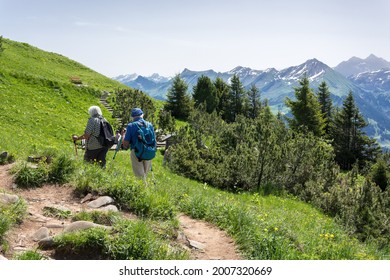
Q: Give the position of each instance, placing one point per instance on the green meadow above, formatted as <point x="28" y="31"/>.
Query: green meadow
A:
<point x="40" y="108"/>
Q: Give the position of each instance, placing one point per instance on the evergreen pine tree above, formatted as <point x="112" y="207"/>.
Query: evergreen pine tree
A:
<point x="178" y="100"/>
<point x="380" y="175"/>
<point x="236" y="98"/>
<point x="350" y="143"/>
<point x="326" y="105"/>
<point x="166" y="123"/>
<point x="126" y="99"/>
<point x="254" y="102"/>
<point x="222" y="92"/>
<point x="204" y="92"/>
<point x="306" y="110"/>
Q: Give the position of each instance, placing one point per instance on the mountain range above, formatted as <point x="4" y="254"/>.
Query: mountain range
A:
<point x="368" y="79"/>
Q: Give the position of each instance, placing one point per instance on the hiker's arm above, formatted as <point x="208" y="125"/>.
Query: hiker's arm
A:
<point x="125" y="144"/>
<point x="127" y="137"/>
<point x="84" y="136"/>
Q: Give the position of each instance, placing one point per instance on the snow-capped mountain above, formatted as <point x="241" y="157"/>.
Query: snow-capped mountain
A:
<point x="375" y="81"/>
<point x="132" y="77"/>
<point x="126" y="78"/>
<point x="356" y="65"/>
<point x="158" y="79"/>
<point x="371" y="89"/>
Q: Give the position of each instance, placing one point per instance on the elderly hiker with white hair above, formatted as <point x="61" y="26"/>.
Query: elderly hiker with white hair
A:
<point x="142" y="140"/>
<point x="94" y="150"/>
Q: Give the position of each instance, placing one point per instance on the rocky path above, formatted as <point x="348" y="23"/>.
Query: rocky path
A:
<point x="204" y="240"/>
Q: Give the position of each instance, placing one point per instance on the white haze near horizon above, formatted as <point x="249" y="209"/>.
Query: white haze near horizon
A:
<point x="120" y="37"/>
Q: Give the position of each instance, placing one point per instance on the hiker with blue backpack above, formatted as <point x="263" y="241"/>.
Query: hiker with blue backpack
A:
<point x="142" y="141"/>
<point x="96" y="144"/>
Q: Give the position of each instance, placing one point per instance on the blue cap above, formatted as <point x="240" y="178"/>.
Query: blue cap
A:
<point x="136" y="112"/>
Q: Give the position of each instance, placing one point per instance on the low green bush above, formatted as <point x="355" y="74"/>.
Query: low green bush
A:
<point x="10" y="215"/>
<point x="128" y="192"/>
<point x="29" y="175"/>
<point x="86" y="244"/>
<point x="138" y="242"/>
<point x="61" y="169"/>
<point x="30" y="255"/>
<point x="128" y="240"/>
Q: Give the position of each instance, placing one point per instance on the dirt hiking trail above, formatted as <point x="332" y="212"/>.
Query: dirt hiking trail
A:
<point x="203" y="240"/>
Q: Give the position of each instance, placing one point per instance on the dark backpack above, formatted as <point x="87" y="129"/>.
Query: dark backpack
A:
<point x="106" y="137"/>
<point x="145" y="148"/>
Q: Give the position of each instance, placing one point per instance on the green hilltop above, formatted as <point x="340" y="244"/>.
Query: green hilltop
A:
<point x="44" y="97"/>
<point x="41" y="106"/>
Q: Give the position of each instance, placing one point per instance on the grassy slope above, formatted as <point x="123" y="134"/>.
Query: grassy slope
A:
<point x="40" y="107"/>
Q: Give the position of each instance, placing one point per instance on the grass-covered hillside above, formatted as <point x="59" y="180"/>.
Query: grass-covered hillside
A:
<point x="40" y="108"/>
<point x="44" y="97"/>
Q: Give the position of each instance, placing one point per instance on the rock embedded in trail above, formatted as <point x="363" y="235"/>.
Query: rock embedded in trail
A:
<point x="7" y="199"/>
<point x="81" y="225"/>
<point x="40" y="234"/>
<point x="108" y="208"/>
<point x="101" y="201"/>
<point x="197" y="245"/>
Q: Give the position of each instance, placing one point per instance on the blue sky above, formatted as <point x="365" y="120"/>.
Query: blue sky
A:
<point x="121" y="37"/>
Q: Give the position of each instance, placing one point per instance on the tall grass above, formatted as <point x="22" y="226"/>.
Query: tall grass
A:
<point x="11" y="214"/>
<point x="127" y="240"/>
<point x="264" y="227"/>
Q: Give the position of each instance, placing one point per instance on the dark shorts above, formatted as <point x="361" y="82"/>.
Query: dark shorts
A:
<point x="96" y="156"/>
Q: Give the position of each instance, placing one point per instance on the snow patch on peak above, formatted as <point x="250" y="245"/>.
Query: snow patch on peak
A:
<point x="313" y="77"/>
<point x="157" y="78"/>
<point x="127" y="77"/>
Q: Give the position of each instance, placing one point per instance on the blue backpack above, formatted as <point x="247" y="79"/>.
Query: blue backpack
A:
<point x="145" y="148"/>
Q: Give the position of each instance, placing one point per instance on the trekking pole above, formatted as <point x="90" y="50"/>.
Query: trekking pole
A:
<point x="118" y="146"/>
<point x="75" y="146"/>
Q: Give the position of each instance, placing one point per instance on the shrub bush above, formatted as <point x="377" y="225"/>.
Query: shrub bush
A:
<point x="129" y="240"/>
<point x="30" y="176"/>
<point x="61" y="169"/>
<point x="249" y="155"/>
<point x="30" y="255"/>
<point x="10" y="215"/>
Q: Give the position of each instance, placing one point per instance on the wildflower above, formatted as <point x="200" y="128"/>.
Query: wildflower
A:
<point x="276" y="229"/>
<point x="265" y="230"/>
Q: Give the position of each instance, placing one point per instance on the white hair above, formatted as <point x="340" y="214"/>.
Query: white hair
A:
<point x="94" y="111"/>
